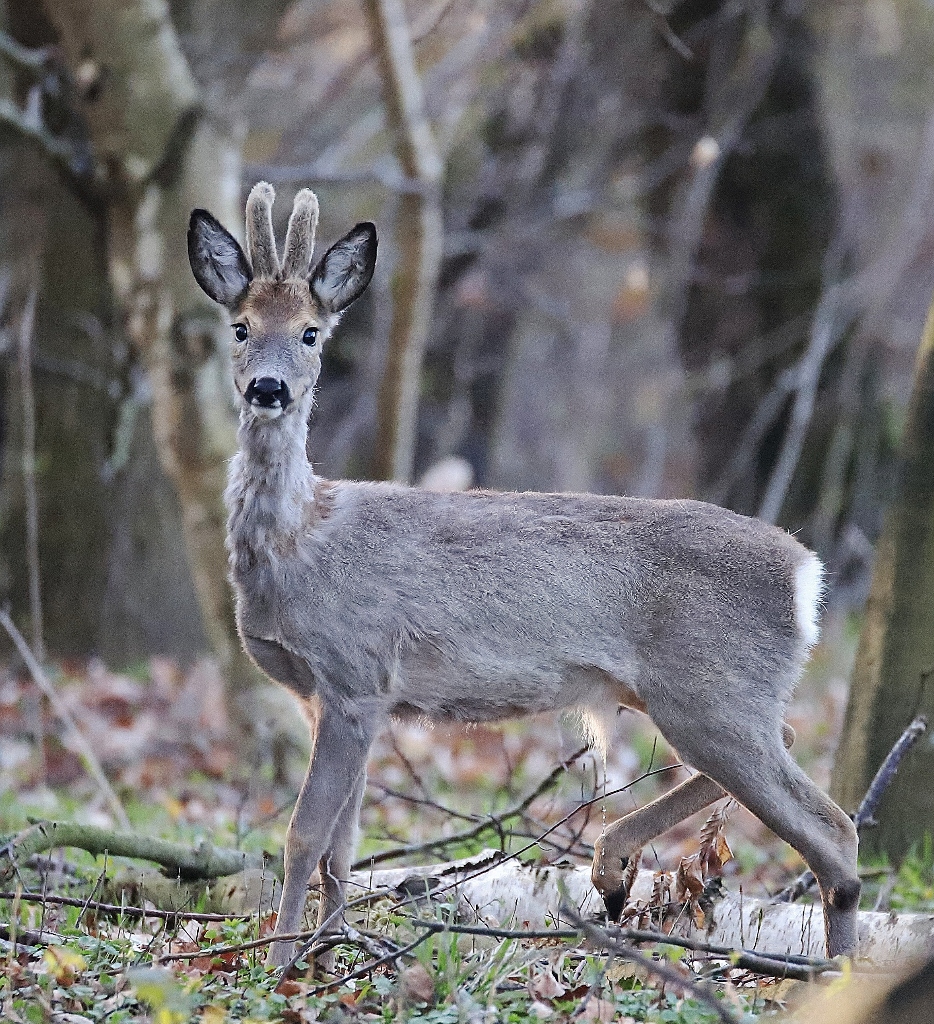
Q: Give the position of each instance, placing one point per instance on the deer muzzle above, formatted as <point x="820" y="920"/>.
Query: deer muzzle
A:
<point x="268" y="396"/>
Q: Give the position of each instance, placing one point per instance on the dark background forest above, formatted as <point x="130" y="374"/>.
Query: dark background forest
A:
<point x="627" y="246"/>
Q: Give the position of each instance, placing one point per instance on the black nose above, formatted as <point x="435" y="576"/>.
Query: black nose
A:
<point x="268" y="392"/>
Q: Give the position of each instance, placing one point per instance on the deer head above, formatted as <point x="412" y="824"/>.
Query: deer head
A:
<point x="282" y="313"/>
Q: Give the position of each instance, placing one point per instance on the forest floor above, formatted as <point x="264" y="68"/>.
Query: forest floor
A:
<point x="172" y="759"/>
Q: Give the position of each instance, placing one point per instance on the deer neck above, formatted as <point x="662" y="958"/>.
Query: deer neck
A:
<point x="273" y="496"/>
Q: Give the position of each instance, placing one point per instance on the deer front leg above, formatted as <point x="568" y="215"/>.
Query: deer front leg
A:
<point x="334" y="867"/>
<point x="629" y="834"/>
<point x="328" y="799"/>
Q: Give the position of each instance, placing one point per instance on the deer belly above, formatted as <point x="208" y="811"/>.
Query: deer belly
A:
<point x="433" y="685"/>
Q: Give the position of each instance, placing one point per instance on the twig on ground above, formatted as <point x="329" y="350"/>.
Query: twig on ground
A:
<point x="371" y="965"/>
<point x="119" y="908"/>
<point x="865" y="814"/>
<point x="83" y="748"/>
<point x="773" y="964"/>
<point x="239" y="947"/>
<point x="190" y="862"/>
<point x="657" y="968"/>
<point x="305" y="949"/>
<point x="346" y="934"/>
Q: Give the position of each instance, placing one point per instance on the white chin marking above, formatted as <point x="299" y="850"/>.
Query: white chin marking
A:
<point x="809" y="590"/>
<point x="265" y="412"/>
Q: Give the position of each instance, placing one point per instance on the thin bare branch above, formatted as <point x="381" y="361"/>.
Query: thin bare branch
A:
<point x="837" y="310"/>
<point x="28" y="403"/>
<point x="780" y="965"/>
<point x="660" y="969"/>
<point x="65" y="156"/>
<point x="23" y="57"/>
<point x="493" y="823"/>
<point x="82" y="747"/>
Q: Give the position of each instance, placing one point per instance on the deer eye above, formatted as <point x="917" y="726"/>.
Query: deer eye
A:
<point x="310" y="336"/>
<point x="240" y="332"/>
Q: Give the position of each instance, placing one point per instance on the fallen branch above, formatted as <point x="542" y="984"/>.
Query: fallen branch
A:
<point x="866" y="812"/>
<point x="202" y="861"/>
<point x="83" y="748"/>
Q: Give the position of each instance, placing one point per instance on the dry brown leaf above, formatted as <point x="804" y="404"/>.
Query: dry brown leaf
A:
<point x="546" y="986"/>
<point x="689" y="882"/>
<point x="597" y="1009"/>
<point x="624" y="970"/>
<point x="416" y="986"/>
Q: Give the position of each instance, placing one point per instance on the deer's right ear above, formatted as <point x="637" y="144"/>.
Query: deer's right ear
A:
<point x="217" y="261"/>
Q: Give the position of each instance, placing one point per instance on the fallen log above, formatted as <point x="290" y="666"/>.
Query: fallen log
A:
<point x="523" y="896"/>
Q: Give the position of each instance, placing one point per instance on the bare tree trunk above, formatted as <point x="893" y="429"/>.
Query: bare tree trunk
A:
<point x="892" y="677"/>
<point x="163" y="155"/>
<point x="419" y="236"/>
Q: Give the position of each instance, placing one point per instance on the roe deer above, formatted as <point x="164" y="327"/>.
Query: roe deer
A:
<point x="369" y="600"/>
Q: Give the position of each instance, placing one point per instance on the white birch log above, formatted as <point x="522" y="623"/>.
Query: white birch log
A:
<point x="516" y="895"/>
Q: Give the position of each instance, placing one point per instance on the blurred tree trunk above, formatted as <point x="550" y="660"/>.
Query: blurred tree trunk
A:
<point x="48" y="236"/>
<point x="893" y="678"/>
<point x="418" y="236"/>
<point x="752" y="209"/>
<point x="163" y="154"/>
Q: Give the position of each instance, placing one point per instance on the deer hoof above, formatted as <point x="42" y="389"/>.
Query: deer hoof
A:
<point x="615" y="902"/>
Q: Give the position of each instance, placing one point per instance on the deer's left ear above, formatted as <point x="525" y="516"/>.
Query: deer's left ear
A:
<point x="345" y="269"/>
<point x="217" y="261"/>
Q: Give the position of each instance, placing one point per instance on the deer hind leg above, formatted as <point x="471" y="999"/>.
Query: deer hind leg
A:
<point x="748" y="759"/>
<point x="625" y="837"/>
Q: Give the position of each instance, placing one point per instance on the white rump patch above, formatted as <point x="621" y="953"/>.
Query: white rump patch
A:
<point x="809" y="591"/>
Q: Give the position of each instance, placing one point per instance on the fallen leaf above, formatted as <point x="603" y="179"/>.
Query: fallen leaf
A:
<point x="546" y="986"/>
<point x="597" y="1009"/>
<point x="416" y="986"/>
<point x="292" y="987"/>
<point x="64" y="964"/>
